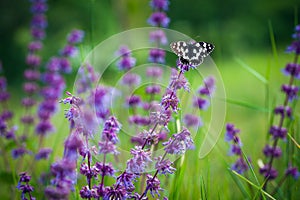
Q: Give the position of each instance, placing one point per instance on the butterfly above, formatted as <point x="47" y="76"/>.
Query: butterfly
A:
<point x="191" y="53"/>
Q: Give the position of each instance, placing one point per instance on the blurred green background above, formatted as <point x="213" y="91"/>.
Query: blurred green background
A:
<point x="240" y="30"/>
<point x="233" y="26"/>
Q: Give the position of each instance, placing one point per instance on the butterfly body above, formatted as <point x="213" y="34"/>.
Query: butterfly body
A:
<point x="191" y="53"/>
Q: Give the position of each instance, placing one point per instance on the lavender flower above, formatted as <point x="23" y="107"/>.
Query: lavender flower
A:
<point x="180" y="142"/>
<point x="159" y="19"/>
<point x="231" y="136"/>
<point x="164" y="166"/>
<point x="292" y="171"/>
<point x="141" y="158"/>
<point x="153" y="185"/>
<point x="192" y="120"/>
<point x="24" y="186"/>
<point x="284" y="112"/>
<point x="159" y="4"/>
<point x="126" y="62"/>
<point x="43" y="153"/>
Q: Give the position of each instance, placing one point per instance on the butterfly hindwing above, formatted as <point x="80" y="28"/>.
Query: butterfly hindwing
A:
<point x="191" y="53"/>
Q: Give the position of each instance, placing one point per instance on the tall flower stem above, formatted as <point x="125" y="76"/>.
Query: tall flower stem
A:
<point x="281" y="121"/>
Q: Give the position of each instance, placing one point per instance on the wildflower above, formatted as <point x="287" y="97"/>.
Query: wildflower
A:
<point x="105" y="169"/>
<point x="231" y="135"/>
<point x="292" y="171"/>
<point x="178" y="81"/>
<point x="192" y="120"/>
<point x="131" y="79"/>
<point x="158" y="36"/>
<point x="231" y="132"/>
<point x="154" y="72"/>
<point x="24" y="186"/>
<point x="159" y="4"/>
<point x="164" y="166"/>
<point x="139" y="120"/>
<point x="240" y="166"/>
<point x="140" y="159"/>
<point x="292" y="69"/>
<point x="19" y="152"/>
<point x="179" y="143"/>
<point x="115" y="193"/>
<point x="43" y="153"/>
<point x="209" y="86"/>
<point x="159" y="19"/>
<point x="269" y="151"/>
<point x="133" y="100"/>
<point x="126" y="180"/>
<point x="157" y="56"/>
<point x="127" y="61"/>
<point x="170" y="100"/>
<point x="153" y="89"/>
<point x="153" y="185"/>
<point x="269" y="172"/>
<point x="76" y="36"/>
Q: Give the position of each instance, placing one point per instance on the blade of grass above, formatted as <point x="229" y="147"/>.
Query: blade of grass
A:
<point x="273" y="42"/>
<point x="246" y="105"/>
<point x="257" y="187"/>
<point x="241" y="186"/>
<point x="251" y="70"/>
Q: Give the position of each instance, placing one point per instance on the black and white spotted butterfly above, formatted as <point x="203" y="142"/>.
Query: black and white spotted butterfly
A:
<point x="191" y="53"/>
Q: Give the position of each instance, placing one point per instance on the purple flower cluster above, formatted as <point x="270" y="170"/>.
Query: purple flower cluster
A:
<point x="32" y="73"/>
<point x="285" y="113"/>
<point x="127" y="61"/>
<point x="295" y="46"/>
<point x="55" y="84"/>
<point x="201" y="101"/>
<point x="158" y="19"/>
<point x="24" y="186"/>
<point x="5" y="115"/>
<point x="205" y="91"/>
<point x="231" y="136"/>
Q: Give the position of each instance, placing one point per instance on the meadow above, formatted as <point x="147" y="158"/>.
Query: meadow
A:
<point x="98" y="107"/>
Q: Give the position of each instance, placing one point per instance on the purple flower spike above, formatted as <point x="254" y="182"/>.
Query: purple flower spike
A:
<point x="170" y="100"/>
<point x="209" y="86"/>
<point x="158" y="36"/>
<point x="164" y="166"/>
<point x="240" y="166"/>
<point x="153" y="185"/>
<point x="76" y="36"/>
<point x="140" y="159"/>
<point x="159" y="19"/>
<point x="292" y="171"/>
<point x="69" y="51"/>
<point x="154" y="72"/>
<point x="180" y="143"/>
<point x="105" y="169"/>
<point x="131" y="79"/>
<point x="43" y="153"/>
<point x="159" y="4"/>
<point x="133" y="100"/>
<point x="231" y="132"/>
<point x="115" y="193"/>
<point x="157" y="56"/>
<point x="201" y="103"/>
<point x="126" y="180"/>
<point x="270" y="174"/>
<point x="192" y="120"/>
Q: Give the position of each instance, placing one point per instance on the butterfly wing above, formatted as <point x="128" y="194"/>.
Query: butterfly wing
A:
<point x="205" y="48"/>
<point x="179" y="48"/>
